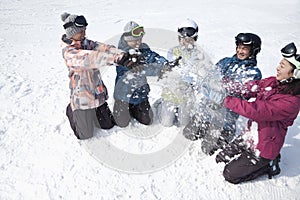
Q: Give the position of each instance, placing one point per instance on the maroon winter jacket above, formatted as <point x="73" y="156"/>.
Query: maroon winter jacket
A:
<point x="273" y="112"/>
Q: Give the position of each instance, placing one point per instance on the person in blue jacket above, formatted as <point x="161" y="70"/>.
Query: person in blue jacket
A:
<point x="241" y="67"/>
<point x="131" y="87"/>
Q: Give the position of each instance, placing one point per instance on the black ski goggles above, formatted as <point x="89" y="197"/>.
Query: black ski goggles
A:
<point x="243" y="38"/>
<point x="187" y="32"/>
<point x="80" y="21"/>
<point x="289" y="53"/>
<point x="289" y="50"/>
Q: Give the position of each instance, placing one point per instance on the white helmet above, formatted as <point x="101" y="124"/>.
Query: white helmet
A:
<point x="289" y="52"/>
<point x="188" y="28"/>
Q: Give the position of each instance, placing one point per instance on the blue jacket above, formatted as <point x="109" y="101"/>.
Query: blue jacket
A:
<point x="239" y="70"/>
<point x="131" y="86"/>
<point x="236" y="70"/>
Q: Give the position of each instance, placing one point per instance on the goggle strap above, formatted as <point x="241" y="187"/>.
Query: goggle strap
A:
<point x="67" y="25"/>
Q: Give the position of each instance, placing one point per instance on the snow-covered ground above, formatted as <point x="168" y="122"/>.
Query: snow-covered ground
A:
<point x="41" y="159"/>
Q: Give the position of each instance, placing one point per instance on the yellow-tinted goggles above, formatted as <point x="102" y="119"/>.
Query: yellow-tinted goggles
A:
<point x="138" y="31"/>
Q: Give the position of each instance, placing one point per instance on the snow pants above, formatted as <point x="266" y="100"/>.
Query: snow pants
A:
<point x="245" y="168"/>
<point x="123" y="112"/>
<point x="83" y="121"/>
<point x="230" y="120"/>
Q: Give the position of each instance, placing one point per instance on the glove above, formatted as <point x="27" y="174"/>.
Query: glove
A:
<point x="65" y="39"/>
<point x="229" y="151"/>
<point x="168" y="67"/>
<point x="174" y="63"/>
<point x="131" y="59"/>
<point x="214" y="96"/>
<point x="222" y="157"/>
<point x="233" y="88"/>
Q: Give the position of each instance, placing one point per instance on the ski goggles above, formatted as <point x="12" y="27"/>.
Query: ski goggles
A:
<point x="80" y="21"/>
<point x="289" y="53"/>
<point x="187" y="32"/>
<point x="136" y="32"/>
<point x="243" y="38"/>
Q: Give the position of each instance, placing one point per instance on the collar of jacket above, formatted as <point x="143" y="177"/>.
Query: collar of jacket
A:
<point x="247" y="62"/>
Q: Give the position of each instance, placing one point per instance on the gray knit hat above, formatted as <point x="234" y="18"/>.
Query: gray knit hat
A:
<point x="128" y="31"/>
<point x="71" y="26"/>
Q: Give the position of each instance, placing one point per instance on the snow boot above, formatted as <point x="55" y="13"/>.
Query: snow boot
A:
<point x="225" y="137"/>
<point x="209" y="145"/>
<point x="274" y="168"/>
<point x="69" y="114"/>
<point x="195" y="129"/>
<point x="212" y="143"/>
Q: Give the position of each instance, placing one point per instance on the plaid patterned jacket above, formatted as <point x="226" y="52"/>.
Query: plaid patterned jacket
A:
<point x="83" y="60"/>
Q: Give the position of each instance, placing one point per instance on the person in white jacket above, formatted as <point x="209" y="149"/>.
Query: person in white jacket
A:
<point x="186" y="81"/>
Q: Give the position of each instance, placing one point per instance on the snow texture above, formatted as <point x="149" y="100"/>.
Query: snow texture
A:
<point x="42" y="159"/>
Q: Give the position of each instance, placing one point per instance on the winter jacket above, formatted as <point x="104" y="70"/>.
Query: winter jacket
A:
<point x="186" y="54"/>
<point x="131" y="85"/>
<point x="239" y="70"/>
<point x="193" y="64"/>
<point x="194" y="74"/>
<point x="272" y="110"/>
<point x="83" y="60"/>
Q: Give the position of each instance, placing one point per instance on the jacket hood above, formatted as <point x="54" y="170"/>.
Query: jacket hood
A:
<point x="123" y="44"/>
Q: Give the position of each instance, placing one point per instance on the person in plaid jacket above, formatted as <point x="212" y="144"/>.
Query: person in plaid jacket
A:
<point x="83" y="57"/>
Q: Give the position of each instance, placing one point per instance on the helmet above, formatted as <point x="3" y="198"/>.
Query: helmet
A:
<point x="188" y="28"/>
<point x="289" y="52"/>
<point x="250" y="39"/>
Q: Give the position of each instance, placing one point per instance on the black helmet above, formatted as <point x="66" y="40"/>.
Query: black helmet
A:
<point x="250" y="39"/>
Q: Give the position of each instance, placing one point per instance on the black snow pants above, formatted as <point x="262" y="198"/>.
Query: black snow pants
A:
<point x="245" y="168"/>
<point x="83" y="121"/>
<point x="123" y="112"/>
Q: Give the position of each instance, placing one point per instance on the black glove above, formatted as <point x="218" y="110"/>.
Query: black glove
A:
<point x="65" y="39"/>
<point x="131" y="59"/>
<point x="222" y="157"/>
<point x="173" y="63"/>
<point x="230" y="150"/>
<point x="168" y="67"/>
<point x="224" y="138"/>
<point x="127" y="61"/>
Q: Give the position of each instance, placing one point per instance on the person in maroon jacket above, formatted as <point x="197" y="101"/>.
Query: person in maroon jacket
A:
<point x="275" y="108"/>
